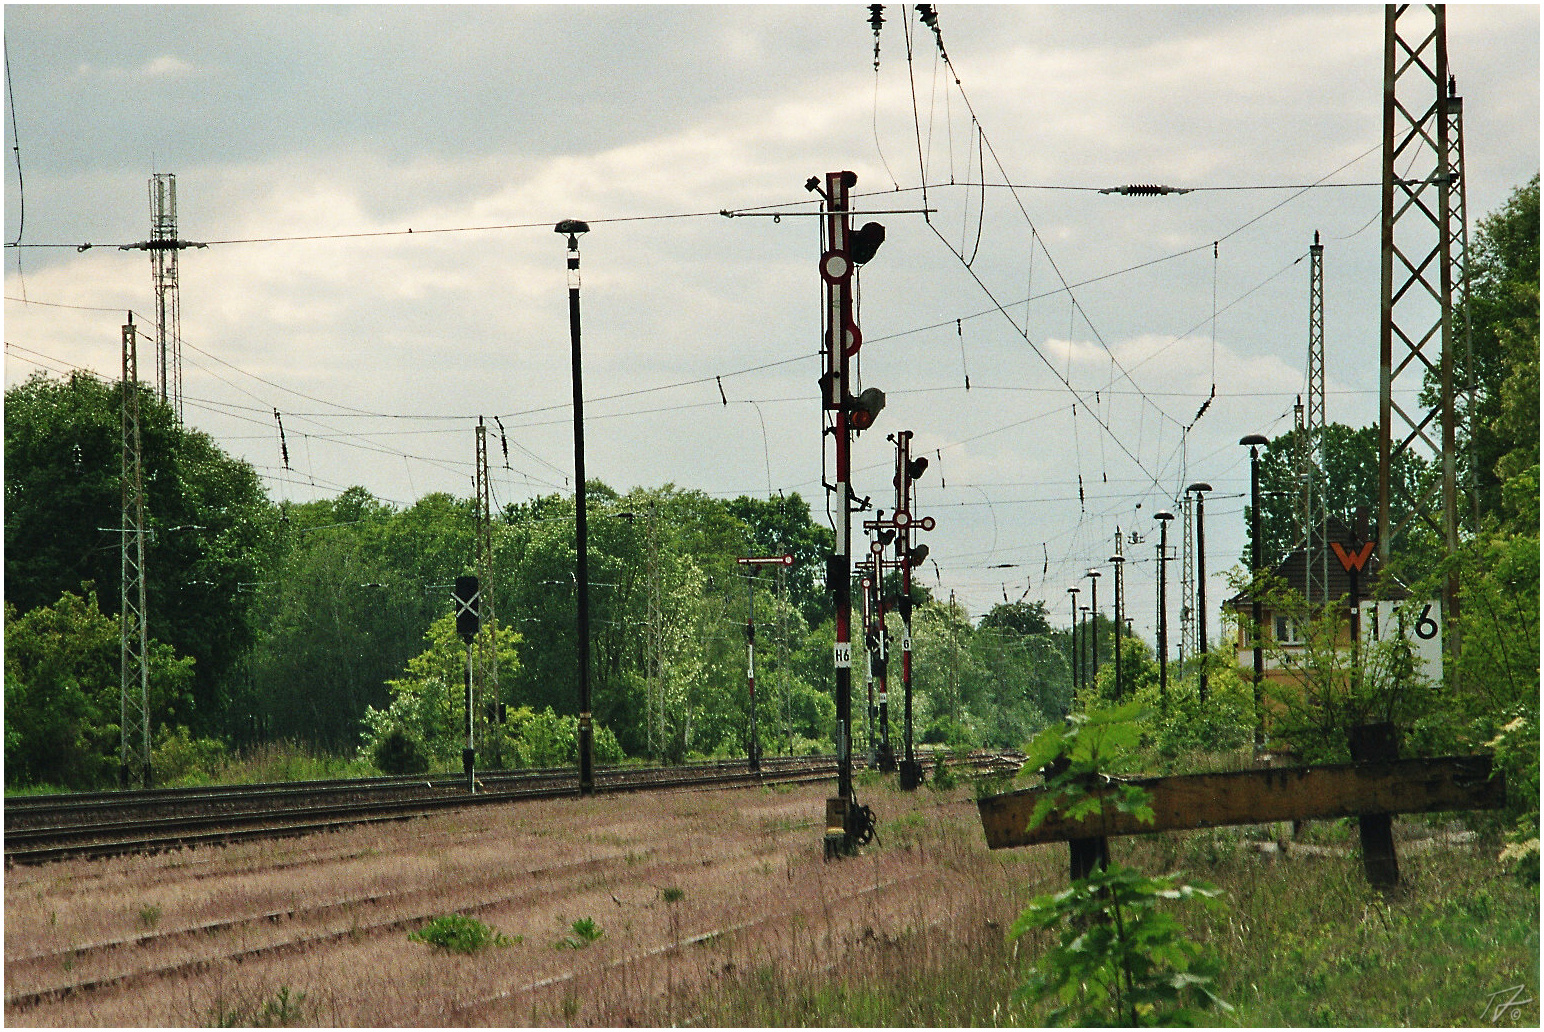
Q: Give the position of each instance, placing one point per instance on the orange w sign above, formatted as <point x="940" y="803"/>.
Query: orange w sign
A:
<point x="1352" y="562"/>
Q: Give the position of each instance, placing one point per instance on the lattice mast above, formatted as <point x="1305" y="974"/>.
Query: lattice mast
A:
<point x="1416" y="331"/>
<point x="163" y="246"/>
<point x="486" y="684"/>
<point x="1187" y="580"/>
<point x="654" y="661"/>
<point x="1458" y="234"/>
<point x="133" y="636"/>
<point x="163" y="271"/>
<point x="1315" y="511"/>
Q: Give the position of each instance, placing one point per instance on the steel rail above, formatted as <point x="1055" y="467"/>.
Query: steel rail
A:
<point x="97" y="839"/>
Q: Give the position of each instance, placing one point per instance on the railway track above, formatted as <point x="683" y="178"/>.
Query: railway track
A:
<point x="46" y="828"/>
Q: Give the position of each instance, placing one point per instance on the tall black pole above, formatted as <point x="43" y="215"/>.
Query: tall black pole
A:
<point x="468" y="754"/>
<point x="1093" y="637"/>
<point x="1200" y="489"/>
<point x="1117" y="561"/>
<point x="1256" y="607"/>
<point x="1072" y="595"/>
<point x="1164" y="517"/>
<point x="573" y="227"/>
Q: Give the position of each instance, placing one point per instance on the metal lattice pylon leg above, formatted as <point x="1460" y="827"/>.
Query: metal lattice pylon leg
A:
<point x="1416" y="331"/>
<point x="1315" y="505"/>
<point x="486" y="683"/>
<point x="134" y="658"/>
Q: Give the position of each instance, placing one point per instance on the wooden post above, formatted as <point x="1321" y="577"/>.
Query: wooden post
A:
<point x="1370" y="743"/>
<point x="1086" y="853"/>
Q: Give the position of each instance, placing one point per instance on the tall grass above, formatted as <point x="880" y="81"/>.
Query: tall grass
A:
<point x="1303" y="941"/>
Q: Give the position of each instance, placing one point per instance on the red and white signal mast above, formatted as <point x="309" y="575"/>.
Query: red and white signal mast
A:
<point x="847" y="824"/>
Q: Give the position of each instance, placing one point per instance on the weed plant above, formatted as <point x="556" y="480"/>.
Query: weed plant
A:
<point x="585" y="932"/>
<point x="460" y="934"/>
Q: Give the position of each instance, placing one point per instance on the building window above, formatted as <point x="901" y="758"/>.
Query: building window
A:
<point x="1287" y="632"/>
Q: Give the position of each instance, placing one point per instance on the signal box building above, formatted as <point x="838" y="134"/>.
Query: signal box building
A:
<point x="1377" y="597"/>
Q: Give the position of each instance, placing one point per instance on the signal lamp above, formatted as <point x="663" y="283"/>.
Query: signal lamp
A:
<point x="866" y="241"/>
<point x="916" y="467"/>
<point x="865" y="408"/>
<point x="918" y="555"/>
<point x="468" y="619"/>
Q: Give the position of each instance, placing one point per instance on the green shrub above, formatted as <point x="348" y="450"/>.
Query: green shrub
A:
<point x="179" y="759"/>
<point x="943" y="778"/>
<point x="1121" y="959"/>
<point x="585" y="932"/>
<point x="396" y="753"/>
<point x="1224" y="721"/>
<point x="460" y="934"/>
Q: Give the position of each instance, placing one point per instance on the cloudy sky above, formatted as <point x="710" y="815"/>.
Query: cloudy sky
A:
<point x="486" y="124"/>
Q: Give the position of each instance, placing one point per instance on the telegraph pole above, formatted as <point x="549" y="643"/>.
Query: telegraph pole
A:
<point x="654" y="673"/>
<point x="1257" y="563"/>
<point x="1072" y="594"/>
<point x="133" y="635"/>
<point x="844" y="251"/>
<point x="572" y="228"/>
<point x="1118" y="561"/>
<point x="1316" y="553"/>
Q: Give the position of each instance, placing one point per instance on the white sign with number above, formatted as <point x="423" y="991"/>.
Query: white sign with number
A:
<point x="1421" y="625"/>
<point x="842" y="655"/>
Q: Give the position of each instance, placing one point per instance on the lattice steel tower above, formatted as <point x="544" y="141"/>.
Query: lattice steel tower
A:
<point x="1458" y="233"/>
<point x="1416" y="332"/>
<point x="1315" y="510"/>
<point x="163" y="246"/>
<point x="1187" y="580"/>
<point x="134" y="657"/>
<point x="654" y="652"/>
<point x="487" y="683"/>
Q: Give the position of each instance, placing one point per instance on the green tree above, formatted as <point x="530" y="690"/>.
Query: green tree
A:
<point x="62" y="691"/>
<point x="1349" y="469"/>
<point x="784" y="526"/>
<point x="209" y="521"/>
<point x="1021" y="618"/>
<point x="1501" y="434"/>
<point x="428" y="702"/>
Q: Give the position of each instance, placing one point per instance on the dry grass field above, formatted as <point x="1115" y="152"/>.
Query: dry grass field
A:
<point x="715" y="908"/>
<point x="315" y="930"/>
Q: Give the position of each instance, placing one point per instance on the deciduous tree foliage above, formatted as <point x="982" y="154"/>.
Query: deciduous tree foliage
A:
<point x="209" y="519"/>
<point x="62" y="693"/>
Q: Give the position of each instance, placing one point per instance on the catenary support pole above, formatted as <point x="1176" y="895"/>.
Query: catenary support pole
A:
<point x="572" y="228"/>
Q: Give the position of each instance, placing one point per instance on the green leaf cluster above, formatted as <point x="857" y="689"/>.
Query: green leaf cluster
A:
<point x="460" y="934"/>
<point x="585" y="932"/>
<point x="1121" y="957"/>
<point x="63" y="689"/>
